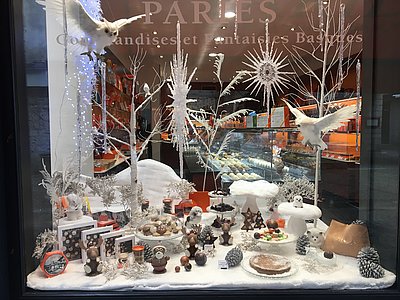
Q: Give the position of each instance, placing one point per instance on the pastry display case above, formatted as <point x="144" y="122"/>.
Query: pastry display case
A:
<point x="258" y="153"/>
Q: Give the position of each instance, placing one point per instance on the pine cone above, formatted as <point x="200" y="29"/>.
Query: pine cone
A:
<point x="369" y="254"/>
<point x="302" y="243"/>
<point x="234" y="257"/>
<point x="206" y="230"/>
<point x="148" y="253"/>
<point x="370" y="269"/>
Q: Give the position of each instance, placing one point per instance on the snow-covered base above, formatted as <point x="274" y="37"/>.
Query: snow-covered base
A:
<point x="310" y="275"/>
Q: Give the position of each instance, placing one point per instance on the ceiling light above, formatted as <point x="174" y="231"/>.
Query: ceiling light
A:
<point x="158" y="46"/>
<point x="230" y="14"/>
<point x="223" y="27"/>
<point x="154" y="32"/>
<point x="212" y="54"/>
<point x="325" y="2"/>
<point x="215" y="47"/>
<point x="161" y="56"/>
<point x="219" y="39"/>
<point x="197" y="78"/>
<point x="292" y="29"/>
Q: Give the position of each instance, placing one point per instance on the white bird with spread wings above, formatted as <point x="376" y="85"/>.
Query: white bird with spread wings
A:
<point x="93" y="35"/>
<point x="313" y="129"/>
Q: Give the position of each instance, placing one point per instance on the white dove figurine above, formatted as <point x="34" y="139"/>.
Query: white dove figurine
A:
<point x="93" y="35"/>
<point x="313" y="129"/>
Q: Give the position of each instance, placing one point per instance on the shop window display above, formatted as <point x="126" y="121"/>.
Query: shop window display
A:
<point x="250" y="123"/>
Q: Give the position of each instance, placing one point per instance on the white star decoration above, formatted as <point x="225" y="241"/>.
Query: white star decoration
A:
<point x="266" y="71"/>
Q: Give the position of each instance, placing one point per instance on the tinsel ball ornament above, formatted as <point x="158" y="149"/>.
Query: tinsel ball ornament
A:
<point x="200" y="258"/>
<point x="234" y="257"/>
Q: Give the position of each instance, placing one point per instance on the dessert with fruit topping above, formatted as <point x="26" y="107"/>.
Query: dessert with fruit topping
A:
<point x="271" y="234"/>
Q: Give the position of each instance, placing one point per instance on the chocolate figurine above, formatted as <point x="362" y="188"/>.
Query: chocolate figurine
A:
<point x="225" y="238"/>
<point x="93" y="265"/>
<point x="259" y="221"/>
<point x="248" y="220"/>
<point x="159" y="259"/>
<point x="193" y="247"/>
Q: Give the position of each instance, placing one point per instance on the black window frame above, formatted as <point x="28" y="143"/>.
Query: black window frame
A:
<point x="15" y="163"/>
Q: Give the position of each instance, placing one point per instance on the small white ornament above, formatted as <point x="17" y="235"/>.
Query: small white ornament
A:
<point x="298" y="201"/>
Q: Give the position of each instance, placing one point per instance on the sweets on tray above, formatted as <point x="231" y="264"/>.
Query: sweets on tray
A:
<point x="271" y="234"/>
<point x="270" y="264"/>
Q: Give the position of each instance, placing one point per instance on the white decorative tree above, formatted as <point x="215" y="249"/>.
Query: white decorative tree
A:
<point x="332" y="53"/>
<point x="135" y="67"/>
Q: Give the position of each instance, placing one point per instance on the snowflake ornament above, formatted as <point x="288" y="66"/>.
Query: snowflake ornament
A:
<point x="180" y="87"/>
<point x="266" y="70"/>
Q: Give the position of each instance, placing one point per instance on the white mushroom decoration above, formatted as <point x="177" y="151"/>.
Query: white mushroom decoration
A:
<point x="253" y="190"/>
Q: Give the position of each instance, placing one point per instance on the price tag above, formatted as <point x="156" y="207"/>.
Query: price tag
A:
<point x="222" y="264"/>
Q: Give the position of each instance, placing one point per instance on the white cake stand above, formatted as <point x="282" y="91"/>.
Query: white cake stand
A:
<point x="296" y="224"/>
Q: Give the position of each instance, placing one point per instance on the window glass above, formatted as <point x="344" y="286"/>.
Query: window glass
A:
<point x="234" y="140"/>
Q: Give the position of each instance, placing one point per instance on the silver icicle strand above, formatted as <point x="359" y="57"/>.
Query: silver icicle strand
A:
<point x="321" y="21"/>
<point x="235" y="33"/>
<point x="103" y="104"/>
<point x="267" y="88"/>
<point x="358" y="71"/>
<point x="341" y="45"/>
<point x="65" y="29"/>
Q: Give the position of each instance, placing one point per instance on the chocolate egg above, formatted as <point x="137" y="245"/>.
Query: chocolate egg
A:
<point x="188" y="267"/>
<point x="200" y="258"/>
<point x="184" y="260"/>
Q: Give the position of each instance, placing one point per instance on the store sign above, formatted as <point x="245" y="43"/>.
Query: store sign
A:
<point x="203" y="13"/>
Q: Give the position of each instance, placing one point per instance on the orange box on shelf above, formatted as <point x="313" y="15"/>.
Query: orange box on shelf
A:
<point x="200" y="198"/>
<point x="184" y="207"/>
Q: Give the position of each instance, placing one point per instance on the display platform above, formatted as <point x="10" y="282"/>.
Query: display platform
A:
<point x="309" y="273"/>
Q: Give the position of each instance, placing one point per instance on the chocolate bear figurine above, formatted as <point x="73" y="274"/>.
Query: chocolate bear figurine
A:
<point x="93" y="265"/>
<point x="225" y="238"/>
<point x="192" y="239"/>
<point x="159" y="259"/>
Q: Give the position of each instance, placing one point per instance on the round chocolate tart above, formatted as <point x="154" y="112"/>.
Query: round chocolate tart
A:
<point x="270" y="264"/>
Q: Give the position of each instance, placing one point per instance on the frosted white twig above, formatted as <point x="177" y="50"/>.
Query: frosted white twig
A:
<point x="45" y="241"/>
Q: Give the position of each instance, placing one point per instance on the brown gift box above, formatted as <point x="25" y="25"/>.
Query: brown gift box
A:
<point x="346" y="239"/>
